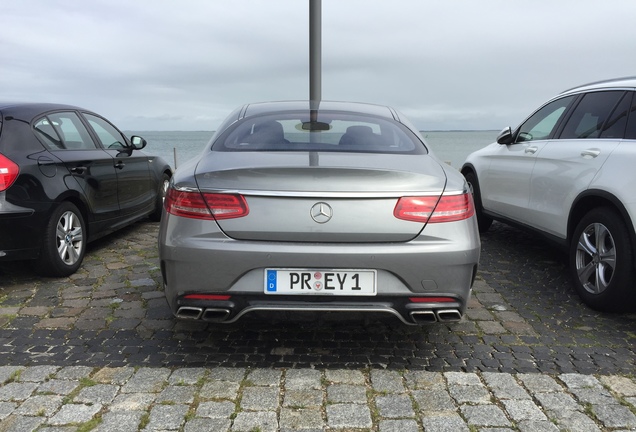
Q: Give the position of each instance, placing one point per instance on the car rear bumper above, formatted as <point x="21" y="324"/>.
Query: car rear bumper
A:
<point x="441" y="264"/>
<point x="19" y="232"/>
<point x="231" y="310"/>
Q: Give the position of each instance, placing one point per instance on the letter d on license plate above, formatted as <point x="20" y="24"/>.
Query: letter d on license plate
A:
<point x="320" y="282"/>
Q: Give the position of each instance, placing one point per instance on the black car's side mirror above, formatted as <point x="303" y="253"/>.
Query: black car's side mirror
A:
<point x="505" y="136"/>
<point x="138" y="142"/>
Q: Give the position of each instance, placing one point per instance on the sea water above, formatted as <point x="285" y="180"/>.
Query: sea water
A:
<point x="451" y="147"/>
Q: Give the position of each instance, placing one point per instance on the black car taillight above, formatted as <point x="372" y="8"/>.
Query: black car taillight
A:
<point x="8" y="172"/>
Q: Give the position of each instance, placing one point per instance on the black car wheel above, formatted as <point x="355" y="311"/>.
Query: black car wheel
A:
<point x="161" y="195"/>
<point x="601" y="261"/>
<point x="483" y="221"/>
<point x="64" y="242"/>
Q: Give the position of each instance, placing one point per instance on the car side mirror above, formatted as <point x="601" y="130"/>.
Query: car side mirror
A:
<point x="138" y="142"/>
<point x="505" y="136"/>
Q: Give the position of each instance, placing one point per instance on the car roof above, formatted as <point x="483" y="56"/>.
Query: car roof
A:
<point x="626" y="83"/>
<point x="261" y="108"/>
<point x="28" y="110"/>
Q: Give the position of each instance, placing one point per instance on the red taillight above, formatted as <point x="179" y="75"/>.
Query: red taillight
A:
<point x="434" y="209"/>
<point x="226" y="206"/>
<point x="210" y="206"/>
<point x="8" y="172"/>
<point x="216" y="297"/>
<point x="432" y="299"/>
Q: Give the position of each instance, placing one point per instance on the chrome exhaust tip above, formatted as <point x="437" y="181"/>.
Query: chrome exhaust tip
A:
<point x="189" y="312"/>
<point x="216" y="314"/>
<point x="448" y="315"/>
<point x="423" y="317"/>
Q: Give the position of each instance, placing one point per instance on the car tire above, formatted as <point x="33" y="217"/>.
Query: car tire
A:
<point x="161" y="194"/>
<point x="483" y="221"/>
<point x="601" y="261"/>
<point x="64" y="242"/>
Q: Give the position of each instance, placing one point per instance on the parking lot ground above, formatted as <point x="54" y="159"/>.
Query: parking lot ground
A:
<point x="101" y="349"/>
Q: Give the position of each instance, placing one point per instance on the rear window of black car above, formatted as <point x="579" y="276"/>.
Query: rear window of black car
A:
<point x="337" y="132"/>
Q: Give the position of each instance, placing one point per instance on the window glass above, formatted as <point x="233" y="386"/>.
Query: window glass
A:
<point x="590" y="115"/>
<point x="630" y="132"/>
<point x="542" y="123"/>
<point x="108" y="135"/>
<point x="64" y="130"/>
<point x="615" y="126"/>
<point x="332" y="132"/>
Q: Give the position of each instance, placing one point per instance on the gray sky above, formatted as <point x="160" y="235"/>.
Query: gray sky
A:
<point x="184" y="65"/>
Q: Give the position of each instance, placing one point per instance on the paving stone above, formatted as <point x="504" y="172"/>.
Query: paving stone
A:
<point x="303" y="398"/>
<point x="615" y="416"/>
<point x="98" y="394"/>
<point x="622" y="386"/>
<point x="265" y="377"/>
<point x="579" y="381"/>
<point x="298" y="379"/>
<point x="394" y="406"/>
<point x="387" y="381"/>
<point x="216" y="409"/>
<point x="8" y="372"/>
<point x="219" y="390"/>
<point x="485" y="416"/>
<point x="6" y="408"/>
<point x="167" y="417"/>
<point x="537" y="383"/>
<point x="207" y="425"/>
<point x="348" y="416"/>
<point x="260" y="398"/>
<point x="522" y="410"/>
<point x="133" y="401"/>
<point x="434" y="401"/>
<point x="301" y="420"/>
<point x="398" y="426"/>
<point x="18" y="423"/>
<point x="146" y="380"/>
<point x="58" y="387"/>
<point x="121" y="421"/>
<point x="177" y="394"/>
<point x="40" y="405"/>
<point x="264" y="421"/>
<point x="74" y="413"/>
<point x="17" y="391"/>
<point x="445" y="423"/>
<point x="37" y="373"/>
<point x="341" y="376"/>
<point x="345" y="393"/>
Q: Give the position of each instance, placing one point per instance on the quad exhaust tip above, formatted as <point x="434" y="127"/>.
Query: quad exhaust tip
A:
<point x="431" y="316"/>
<point x="189" y="312"/>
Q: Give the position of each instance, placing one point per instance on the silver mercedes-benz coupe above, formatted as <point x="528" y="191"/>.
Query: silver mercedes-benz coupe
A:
<point x="339" y="207"/>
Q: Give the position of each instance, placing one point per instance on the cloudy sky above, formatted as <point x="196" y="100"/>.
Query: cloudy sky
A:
<point x="184" y="65"/>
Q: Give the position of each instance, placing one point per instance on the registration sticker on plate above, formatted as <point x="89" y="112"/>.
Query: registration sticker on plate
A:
<point x="320" y="282"/>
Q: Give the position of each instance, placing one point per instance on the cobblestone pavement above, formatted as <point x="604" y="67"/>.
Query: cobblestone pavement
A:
<point x="101" y="351"/>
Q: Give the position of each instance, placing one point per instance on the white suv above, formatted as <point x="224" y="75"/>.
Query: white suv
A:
<point x="569" y="172"/>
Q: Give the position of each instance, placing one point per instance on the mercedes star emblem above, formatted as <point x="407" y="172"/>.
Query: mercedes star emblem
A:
<point x="321" y="212"/>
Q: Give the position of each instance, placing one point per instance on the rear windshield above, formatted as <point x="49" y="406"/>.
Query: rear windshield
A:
<point x="337" y="132"/>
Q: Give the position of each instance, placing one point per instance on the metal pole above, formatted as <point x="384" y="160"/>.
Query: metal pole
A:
<point x="315" y="66"/>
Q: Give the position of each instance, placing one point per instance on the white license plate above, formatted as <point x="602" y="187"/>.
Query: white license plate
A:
<point x="320" y="282"/>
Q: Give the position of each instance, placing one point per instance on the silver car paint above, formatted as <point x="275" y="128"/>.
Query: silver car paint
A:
<point x="203" y="256"/>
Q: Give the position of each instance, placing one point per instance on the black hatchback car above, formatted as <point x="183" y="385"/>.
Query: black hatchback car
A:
<point x="68" y="176"/>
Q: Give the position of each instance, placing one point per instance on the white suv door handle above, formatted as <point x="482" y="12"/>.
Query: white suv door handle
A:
<point x="590" y="153"/>
<point x="531" y="150"/>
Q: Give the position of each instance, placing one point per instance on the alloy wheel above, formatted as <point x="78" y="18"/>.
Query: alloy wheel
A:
<point x="70" y="237"/>
<point x="595" y="258"/>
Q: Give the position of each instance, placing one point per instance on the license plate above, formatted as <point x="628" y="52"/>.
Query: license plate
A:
<point x="320" y="282"/>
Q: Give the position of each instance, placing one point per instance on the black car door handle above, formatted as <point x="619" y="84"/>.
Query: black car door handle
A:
<point x="120" y="165"/>
<point x="78" y="170"/>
